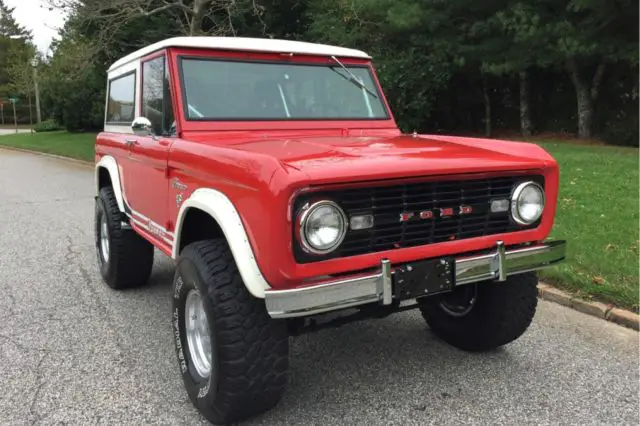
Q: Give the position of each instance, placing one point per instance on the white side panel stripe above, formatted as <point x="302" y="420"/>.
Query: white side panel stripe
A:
<point x="109" y="163"/>
<point x="146" y="228"/>
<point x="140" y="215"/>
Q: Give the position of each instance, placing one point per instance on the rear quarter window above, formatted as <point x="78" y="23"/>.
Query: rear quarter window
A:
<point x="121" y="99"/>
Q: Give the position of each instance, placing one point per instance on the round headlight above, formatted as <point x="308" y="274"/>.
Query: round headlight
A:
<point x="323" y="226"/>
<point x="527" y="203"/>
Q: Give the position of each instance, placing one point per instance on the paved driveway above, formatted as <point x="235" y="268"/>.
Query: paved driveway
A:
<point x="12" y="131"/>
<point x="74" y="352"/>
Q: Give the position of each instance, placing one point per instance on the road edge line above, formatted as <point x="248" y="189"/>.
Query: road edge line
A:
<point x="595" y="309"/>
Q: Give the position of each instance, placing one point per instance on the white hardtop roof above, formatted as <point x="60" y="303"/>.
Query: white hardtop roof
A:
<point x="245" y="44"/>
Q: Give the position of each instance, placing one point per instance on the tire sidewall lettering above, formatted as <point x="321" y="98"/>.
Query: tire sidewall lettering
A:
<point x="185" y="280"/>
<point x="178" y="287"/>
<point x="204" y="391"/>
<point x="178" y="341"/>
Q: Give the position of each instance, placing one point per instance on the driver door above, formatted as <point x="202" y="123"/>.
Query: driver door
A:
<point x="149" y="154"/>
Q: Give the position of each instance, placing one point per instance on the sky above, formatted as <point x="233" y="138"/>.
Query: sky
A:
<point x="42" y="23"/>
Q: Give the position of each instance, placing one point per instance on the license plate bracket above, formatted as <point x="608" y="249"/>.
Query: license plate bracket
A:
<point x="424" y="278"/>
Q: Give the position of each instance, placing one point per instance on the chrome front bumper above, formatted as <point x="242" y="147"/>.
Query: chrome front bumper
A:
<point x="347" y="292"/>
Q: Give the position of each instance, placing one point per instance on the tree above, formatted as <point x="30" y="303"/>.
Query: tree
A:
<point x="581" y="36"/>
<point x="458" y="66"/>
<point x="502" y="37"/>
<point x="8" y="25"/>
<point x="21" y="73"/>
<point x="414" y="44"/>
<point x="595" y="34"/>
<point x="73" y="85"/>
<point x="13" y="39"/>
<point x="193" y="17"/>
<point x="288" y="19"/>
<point x="99" y="32"/>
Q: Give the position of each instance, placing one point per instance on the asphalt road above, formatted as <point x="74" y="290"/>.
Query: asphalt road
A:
<point x="74" y="352"/>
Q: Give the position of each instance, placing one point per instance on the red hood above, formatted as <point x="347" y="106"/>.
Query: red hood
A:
<point x="333" y="159"/>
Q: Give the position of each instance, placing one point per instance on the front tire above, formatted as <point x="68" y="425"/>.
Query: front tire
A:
<point x="480" y="317"/>
<point x="240" y="370"/>
<point x="124" y="257"/>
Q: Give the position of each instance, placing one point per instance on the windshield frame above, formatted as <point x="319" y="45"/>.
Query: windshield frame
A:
<point x="292" y="60"/>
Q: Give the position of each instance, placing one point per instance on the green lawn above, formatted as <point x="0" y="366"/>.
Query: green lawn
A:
<point x="74" y="145"/>
<point x="598" y="215"/>
<point x="597" y="212"/>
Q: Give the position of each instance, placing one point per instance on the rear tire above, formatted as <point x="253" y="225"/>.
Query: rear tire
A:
<point x="124" y="257"/>
<point x="497" y="313"/>
<point x="248" y="350"/>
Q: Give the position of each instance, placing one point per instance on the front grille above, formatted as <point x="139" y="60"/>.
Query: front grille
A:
<point x="386" y="203"/>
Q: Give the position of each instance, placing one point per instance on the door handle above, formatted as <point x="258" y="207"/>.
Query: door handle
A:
<point x="130" y="142"/>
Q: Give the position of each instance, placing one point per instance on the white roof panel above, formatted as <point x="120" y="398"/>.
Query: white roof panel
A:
<point x="245" y="44"/>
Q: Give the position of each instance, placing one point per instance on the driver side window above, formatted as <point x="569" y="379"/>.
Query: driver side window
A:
<point x="156" y="96"/>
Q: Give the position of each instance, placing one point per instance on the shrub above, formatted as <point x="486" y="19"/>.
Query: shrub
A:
<point x="47" y="126"/>
<point x="623" y="131"/>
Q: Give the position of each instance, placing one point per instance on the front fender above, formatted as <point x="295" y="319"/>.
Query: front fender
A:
<point x="109" y="163"/>
<point x="222" y="210"/>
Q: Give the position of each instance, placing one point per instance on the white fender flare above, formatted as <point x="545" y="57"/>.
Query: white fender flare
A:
<point x="109" y="163"/>
<point x="222" y="210"/>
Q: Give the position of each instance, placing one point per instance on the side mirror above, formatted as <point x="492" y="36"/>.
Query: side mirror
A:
<point x="141" y="126"/>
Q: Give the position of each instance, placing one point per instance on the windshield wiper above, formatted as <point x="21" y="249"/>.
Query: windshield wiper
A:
<point x="353" y="78"/>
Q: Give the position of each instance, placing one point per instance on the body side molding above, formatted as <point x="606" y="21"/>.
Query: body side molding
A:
<point x="222" y="210"/>
<point x="109" y="163"/>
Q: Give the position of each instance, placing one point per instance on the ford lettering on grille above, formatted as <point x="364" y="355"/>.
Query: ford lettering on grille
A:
<point x="428" y="214"/>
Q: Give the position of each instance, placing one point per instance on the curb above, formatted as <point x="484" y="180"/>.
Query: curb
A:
<point x="46" y="154"/>
<point x="594" y="309"/>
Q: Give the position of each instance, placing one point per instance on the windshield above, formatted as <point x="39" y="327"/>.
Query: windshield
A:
<point x="232" y="90"/>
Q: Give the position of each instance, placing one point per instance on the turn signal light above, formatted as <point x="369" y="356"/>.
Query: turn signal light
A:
<point x="360" y="222"/>
<point x="498" y="206"/>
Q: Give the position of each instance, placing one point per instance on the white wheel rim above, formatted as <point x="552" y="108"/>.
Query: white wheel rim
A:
<point x="198" y="336"/>
<point x="104" y="238"/>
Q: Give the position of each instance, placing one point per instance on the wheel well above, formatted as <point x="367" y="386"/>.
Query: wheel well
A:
<point x="104" y="178"/>
<point x="197" y="226"/>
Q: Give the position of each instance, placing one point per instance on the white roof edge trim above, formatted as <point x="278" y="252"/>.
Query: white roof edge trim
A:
<point x="245" y="44"/>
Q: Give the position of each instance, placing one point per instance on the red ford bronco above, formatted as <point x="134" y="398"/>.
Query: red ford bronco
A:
<point x="275" y="176"/>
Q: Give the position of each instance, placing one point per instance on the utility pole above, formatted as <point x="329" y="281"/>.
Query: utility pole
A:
<point x="15" y="118"/>
<point x="30" y="113"/>
<point x="37" y="90"/>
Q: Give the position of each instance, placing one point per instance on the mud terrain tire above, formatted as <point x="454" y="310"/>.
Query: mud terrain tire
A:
<point x="501" y="313"/>
<point x="129" y="257"/>
<point x="249" y="349"/>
